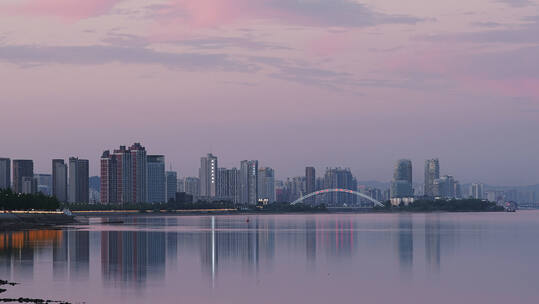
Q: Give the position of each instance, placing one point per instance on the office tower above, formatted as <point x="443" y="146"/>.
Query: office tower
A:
<point x="156" y="179"/>
<point x="444" y="187"/>
<point x="22" y="168"/>
<point x="181" y="185"/>
<point x="29" y="185"/>
<point x="227" y="184"/>
<point x="59" y="180"/>
<point x="266" y="185"/>
<point x="171" y="185"/>
<point x="123" y="175"/>
<point x="5" y="173"/>
<point x="79" y="185"/>
<point x="477" y="191"/>
<point x="432" y="173"/>
<point x="248" y="182"/>
<point x="192" y="186"/>
<point x="339" y="178"/>
<point x="457" y="191"/>
<point x="138" y="158"/>
<point x="44" y="183"/>
<point x="310" y="184"/>
<point x="208" y="176"/>
<point x="295" y="187"/>
<point x="401" y="186"/>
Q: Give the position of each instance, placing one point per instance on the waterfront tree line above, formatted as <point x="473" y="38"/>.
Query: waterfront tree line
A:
<point x="14" y="201"/>
<point x="454" y="205"/>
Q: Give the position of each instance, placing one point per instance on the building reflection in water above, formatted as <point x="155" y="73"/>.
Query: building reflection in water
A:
<point x="246" y="243"/>
<point x="79" y="254"/>
<point x="405" y="243"/>
<point x="222" y="244"/>
<point x="432" y="243"/>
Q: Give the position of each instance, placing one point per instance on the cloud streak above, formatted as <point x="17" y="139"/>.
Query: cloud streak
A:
<point x="336" y="13"/>
<point x="68" y="9"/>
<point x="98" y="54"/>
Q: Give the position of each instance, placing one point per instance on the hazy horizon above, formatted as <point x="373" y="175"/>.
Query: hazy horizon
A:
<point x="292" y="83"/>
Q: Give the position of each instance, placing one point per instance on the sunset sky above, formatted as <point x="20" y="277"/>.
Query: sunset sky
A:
<point x="291" y="83"/>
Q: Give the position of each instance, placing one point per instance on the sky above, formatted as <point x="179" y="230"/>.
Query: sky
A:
<point x="292" y="83"/>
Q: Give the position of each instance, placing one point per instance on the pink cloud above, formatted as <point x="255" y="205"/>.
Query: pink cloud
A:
<point x="69" y="9"/>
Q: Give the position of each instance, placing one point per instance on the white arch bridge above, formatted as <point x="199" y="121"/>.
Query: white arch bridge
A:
<point x="301" y="199"/>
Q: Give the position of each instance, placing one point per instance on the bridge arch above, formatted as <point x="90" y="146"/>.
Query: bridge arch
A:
<point x="301" y="199"/>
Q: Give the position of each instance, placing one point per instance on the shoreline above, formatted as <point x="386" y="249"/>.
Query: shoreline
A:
<point x="15" y="222"/>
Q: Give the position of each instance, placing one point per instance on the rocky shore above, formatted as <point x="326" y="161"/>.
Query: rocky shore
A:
<point x="20" y="221"/>
<point x="4" y="283"/>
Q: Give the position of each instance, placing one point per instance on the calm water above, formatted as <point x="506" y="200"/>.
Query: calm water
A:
<point x="369" y="258"/>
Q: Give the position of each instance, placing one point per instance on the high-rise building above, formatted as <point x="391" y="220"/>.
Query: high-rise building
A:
<point x="192" y="186"/>
<point x="444" y="187"/>
<point x="123" y="175"/>
<point x="59" y="180"/>
<point x="44" y="183"/>
<point x="477" y="191"/>
<point x="181" y="185"/>
<point x="227" y="184"/>
<point x="5" y="173"/>
<point x="208" y="176"/>
<point x="266" y="185"/>
<point x="29" y="185"/>
<point x="432" y="173"/>
<point x="248" y="182"/>
<point x="295" y="187"/>
<point x="22" y="168"/>
<point x="310" y="183"/>
<point x="156" y="179"/>
<point x="79" y="185"/>
<point x="138" y="158"/>
<point x="402" y="185"/>
<point x="339" y="178"/>
<point x="171" y="185"/>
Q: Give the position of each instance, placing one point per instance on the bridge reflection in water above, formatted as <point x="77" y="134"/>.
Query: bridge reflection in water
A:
<point x="146" y="248"/>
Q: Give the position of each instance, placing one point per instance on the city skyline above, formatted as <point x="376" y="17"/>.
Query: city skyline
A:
<point x="418" y="175"/>
<point x="318" y="83"/>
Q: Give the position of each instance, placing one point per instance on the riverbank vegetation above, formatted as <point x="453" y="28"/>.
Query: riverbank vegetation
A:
<point x="13" y="201"/>
<point x="151" y="206"/>
<point x="463" y="205"/>
<point x="287" y="207"/>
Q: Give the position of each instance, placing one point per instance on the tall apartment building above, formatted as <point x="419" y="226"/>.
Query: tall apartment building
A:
<point x="192" y="186"/>
<point x="29" y="185"/>
<point x="44" y="183"/>
<point x="79" y="185"/>
<point x="339" y="178"/>
<point x="477" y="191"/>
<point x="228" y="184"/>
<point x="310" y="184"/>
<point x="266" y="185"/>
<point x="123" y="175"/>
<point x="208" y="175"/>
<point x="402" y="184"/>
<point x="22" y="168"/>
<point x="5" y="173"/>
<point x="171" y="185"/>
<point x="59" y="180"/>
<point x="248" y="182"/>
<point x="432" y="173"/>
<point x="156" y="179"/>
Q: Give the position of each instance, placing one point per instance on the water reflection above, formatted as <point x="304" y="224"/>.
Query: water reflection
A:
<point x="405" y="243"/>
<point x="432" y="243"/>
<point x="151" y="249"/>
